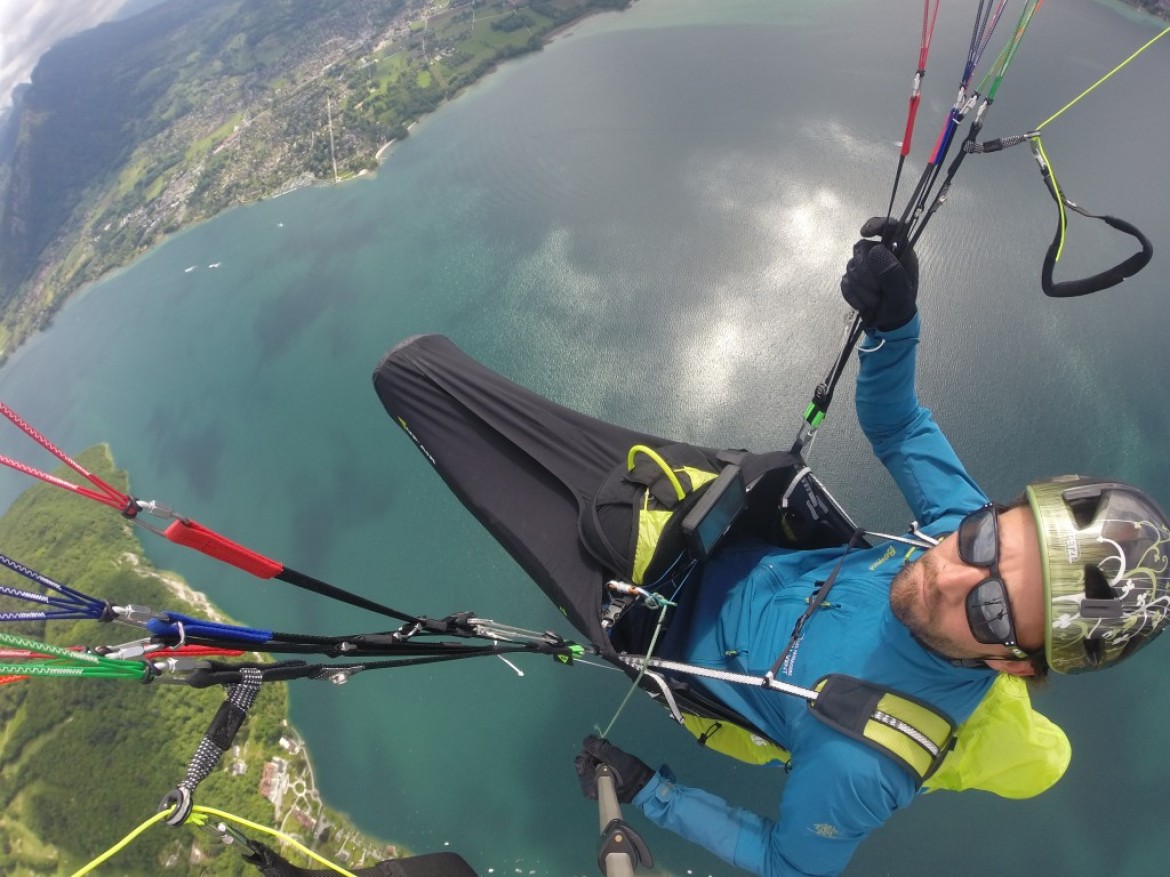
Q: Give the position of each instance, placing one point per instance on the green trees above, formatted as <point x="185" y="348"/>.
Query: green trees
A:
<point x="510" y="23"/>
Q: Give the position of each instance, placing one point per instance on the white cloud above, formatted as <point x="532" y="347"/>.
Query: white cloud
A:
<point x="28" y="29"/>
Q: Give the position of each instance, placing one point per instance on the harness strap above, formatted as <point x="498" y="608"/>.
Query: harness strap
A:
<point x="814" y="603"/>
<point x="217" y="740"/>
<point x="908" y="730"/>
<point x="911" y="732"/>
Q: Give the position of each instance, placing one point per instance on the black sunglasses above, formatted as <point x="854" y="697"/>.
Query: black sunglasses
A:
<point x="988" y="611"/>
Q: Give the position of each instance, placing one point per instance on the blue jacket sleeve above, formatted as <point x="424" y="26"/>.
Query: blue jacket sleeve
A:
<point x="834" y="797"/>
<point x="904" y="435"/>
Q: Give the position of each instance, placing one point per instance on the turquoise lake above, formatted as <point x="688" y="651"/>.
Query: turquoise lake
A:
<point x="647" y="221"/>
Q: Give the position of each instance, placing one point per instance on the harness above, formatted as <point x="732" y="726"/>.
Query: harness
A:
<point x="912" y="732"/>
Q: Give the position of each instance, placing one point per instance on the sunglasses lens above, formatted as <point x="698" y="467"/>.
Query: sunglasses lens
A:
<point x="979" y="538"/>
<point x="988" y="613"/>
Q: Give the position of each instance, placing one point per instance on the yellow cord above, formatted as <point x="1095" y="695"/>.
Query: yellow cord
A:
<point x="199" y="817"/>
<point x="123" y="843"/>
<point x="1059" y="196"/>
<point x="1060" y="112"/>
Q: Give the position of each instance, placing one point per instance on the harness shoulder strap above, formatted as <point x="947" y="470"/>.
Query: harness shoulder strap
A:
<point x="912" y="732"/>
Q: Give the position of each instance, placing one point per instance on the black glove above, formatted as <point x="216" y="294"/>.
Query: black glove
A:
<point x="876" y="283"/>
<point x="630" y="773"/>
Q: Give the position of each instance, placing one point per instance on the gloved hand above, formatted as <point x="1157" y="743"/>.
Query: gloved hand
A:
<point x="631" y="773"/>
<point x="878" y="285"/>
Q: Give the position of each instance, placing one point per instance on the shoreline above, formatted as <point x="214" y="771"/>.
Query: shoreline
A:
<point x="566" y="30"/>
<point x="1135" y="13"/>
<point x="383" y="149"/>
<point x="49" y="305"/>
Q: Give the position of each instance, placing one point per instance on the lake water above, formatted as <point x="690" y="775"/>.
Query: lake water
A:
<point x="646" y="221"/>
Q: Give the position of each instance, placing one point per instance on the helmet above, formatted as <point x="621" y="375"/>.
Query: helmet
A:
<point x="1105" y="551"/>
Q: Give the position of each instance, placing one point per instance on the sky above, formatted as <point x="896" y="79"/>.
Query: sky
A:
<point x="29" y="27"/>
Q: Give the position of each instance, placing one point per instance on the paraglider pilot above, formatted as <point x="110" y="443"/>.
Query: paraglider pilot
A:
<point x="1070" y="577"/>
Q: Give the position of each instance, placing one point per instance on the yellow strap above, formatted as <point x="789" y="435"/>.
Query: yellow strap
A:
<point x="734" y="740"/>
<point x="923" y="719"/>
<point x="898" y="742"/>
<point x="654" y="455"/>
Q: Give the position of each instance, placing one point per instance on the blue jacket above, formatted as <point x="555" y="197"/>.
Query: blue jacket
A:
<point x="838" y="790"/>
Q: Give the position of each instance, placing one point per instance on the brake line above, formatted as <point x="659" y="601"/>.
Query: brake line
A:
<point x="1111" y="276"/>
<point x="1045" y="162"/>
<point x="1100" y="81"/>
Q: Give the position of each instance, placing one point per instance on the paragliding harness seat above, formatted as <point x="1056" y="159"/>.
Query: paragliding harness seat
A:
<point x="579" y="502"/>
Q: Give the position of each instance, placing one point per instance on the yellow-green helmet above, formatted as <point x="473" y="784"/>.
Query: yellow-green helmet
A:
<point x="1105" y="549"/>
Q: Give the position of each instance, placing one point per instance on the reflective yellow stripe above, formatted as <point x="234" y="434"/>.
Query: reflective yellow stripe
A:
<point x="923" y="720"/>
<point x="899" y="744"/>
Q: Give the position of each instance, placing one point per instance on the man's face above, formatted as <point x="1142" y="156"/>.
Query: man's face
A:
<point x="929" y="595"/>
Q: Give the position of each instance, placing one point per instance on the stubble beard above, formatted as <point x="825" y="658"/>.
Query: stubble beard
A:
<point x="909" y="607"/>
